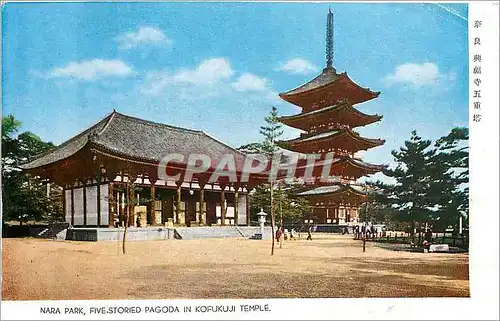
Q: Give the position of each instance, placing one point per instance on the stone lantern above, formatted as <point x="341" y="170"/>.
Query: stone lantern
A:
<point x="262" y="219"/>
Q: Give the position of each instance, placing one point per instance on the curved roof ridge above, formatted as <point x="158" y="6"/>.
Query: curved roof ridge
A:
<point x="302" y="114"/>
<point x="222" y="143"/>
<point x="376" y="93"/>
<point x="322" y="74"/>
<point x="358" y="136"/>
<point x="157" y="124"/>
<point x="72" y="139"/>
<point x="342" y="104"/>
<point x="86" y="131"/>
<point x="322" y="82"/>
<point x="363" y="163"/>
<point x="112" y="116"/>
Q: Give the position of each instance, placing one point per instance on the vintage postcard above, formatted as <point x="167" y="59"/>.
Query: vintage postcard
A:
<point x="249" y="160"/>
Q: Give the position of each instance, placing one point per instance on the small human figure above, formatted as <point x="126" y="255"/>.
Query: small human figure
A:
<point x="278" y="234"/>
<point x="292" y="232"/>
<point x="309" y="236"/>
<point x="427" y="240"/>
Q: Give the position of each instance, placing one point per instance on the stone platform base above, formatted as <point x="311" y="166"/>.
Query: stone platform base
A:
<point x="116" y="234"/>
<point x="163" y="233"/>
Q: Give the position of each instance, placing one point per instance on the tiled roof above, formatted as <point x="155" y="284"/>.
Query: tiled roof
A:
<point x="331" y="189"/>
<point x="140" y="139"/>
<point x="328" y="76"/>
<point x="335" y="132"/>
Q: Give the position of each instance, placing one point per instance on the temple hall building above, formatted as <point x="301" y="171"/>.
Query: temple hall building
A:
<point x="115" y="162"/>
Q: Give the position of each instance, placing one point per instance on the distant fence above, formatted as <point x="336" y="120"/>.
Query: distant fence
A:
<point x="318" y="228"/>
<point x="461" y="241"/>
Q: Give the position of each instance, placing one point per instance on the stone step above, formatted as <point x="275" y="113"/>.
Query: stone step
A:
<point x="190" y="233"/>
<point x="52" y="230"/>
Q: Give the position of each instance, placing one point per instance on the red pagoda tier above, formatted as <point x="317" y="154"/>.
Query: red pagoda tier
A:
<point x="349" y="168"/>
<point x="328" y="117"/>
<point x="328" y="89"/>
<point x="342" y="141"/>
<point x="325" y="118"/>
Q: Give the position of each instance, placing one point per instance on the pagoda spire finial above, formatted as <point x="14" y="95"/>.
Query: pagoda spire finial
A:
<point x="329" y="39"/>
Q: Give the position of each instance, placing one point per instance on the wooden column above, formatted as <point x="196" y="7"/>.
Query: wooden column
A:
<point x="64" y="204"/>
<point x="202" y="201"/>
<point x="248" y="208"/>
<point x="178" y="203"/>
<point x="152" y="217"/>
<point x="128" y="205"/>
<point x="98" y="197"/>
<point x="72" y="206"/>
<point x="236" y="188"/>
<point x="111" y="208"/>
<point x="119" y="209"/>
<point x="84" y="205"/>
<point x="222" y="206"/>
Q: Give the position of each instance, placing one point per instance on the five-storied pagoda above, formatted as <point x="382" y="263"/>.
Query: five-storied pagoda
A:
<point x="328" y="118"/>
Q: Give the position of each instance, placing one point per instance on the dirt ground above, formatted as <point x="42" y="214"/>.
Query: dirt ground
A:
<point x="328" y="266"/>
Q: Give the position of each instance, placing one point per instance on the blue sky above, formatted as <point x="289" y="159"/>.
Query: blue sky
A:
<point x="219" y="66"/>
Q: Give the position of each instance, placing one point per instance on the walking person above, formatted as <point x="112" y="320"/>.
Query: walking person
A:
<point x="278" y="234"/>
<point x="309" y="236"/>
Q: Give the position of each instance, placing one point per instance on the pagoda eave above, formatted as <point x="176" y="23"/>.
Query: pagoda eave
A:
<point x="343" y="113"/>
<point x="342" y="85"/>
<point x="345" y="167"/>
<point x="344" y="139"/>
<point x="337" y="193"/>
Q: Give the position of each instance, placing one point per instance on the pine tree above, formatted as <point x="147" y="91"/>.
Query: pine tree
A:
<point x="264" y="195"/>
<point x="293" y="206"/>
<point x="270" y="132"/>
<point x="409" y="197"/>
<point x="25" y="198"/>
<point x="450" y="174"/>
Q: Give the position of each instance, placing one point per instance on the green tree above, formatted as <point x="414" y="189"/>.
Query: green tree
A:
<point x="271" y="131"/>
<point x="376" y="209"/>
<point x="263" y="195"/>
<point x="292" y="206"/>
<point x="450" y="177"/>
<point x="10" y="125"/>
<point x="24" y="197"/>
<point x="409" y="196"/>
<point x="431" y="182"/>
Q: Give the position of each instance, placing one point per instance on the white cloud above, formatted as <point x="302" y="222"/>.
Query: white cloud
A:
<point x="298" y="66"/>
<point x="92" y="69"/>
<point x="417" y="74"/>
<point x="213" y="79"/>
<point x="143" y="36"/>
<point x="208" y="72"/>
<point x="250" y="82"/>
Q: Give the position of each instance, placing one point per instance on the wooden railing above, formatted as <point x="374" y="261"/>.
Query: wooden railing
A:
<point x="461" y="241"/>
